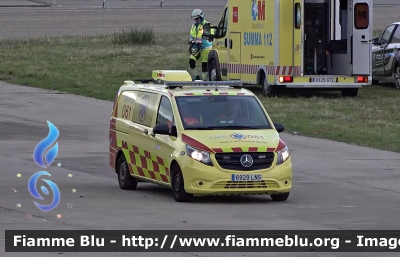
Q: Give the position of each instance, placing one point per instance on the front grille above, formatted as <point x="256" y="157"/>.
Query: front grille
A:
<point x="231" y="161"/>
<point x="245" y="184"/>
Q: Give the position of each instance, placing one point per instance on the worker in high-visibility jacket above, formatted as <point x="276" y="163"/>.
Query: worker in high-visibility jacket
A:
<point x="200" y="47"/>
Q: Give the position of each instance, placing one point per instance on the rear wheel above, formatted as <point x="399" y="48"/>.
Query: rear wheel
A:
<point x="178" y="185"/>
<point x="267" y="89"/>
<point x="350" y="92"/>
<point x="125" y="180"/>
<point x="280" y="197"/>
<point x="214" y="72"/>
<point x="375" y="82"/>
<point x="397" y="76"/>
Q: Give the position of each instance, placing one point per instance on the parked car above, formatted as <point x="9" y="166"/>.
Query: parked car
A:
<point x="386" y="56"/>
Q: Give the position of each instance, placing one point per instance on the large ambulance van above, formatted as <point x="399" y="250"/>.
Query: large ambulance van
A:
<point x="313" y="44"/>
<point x="197" y="138"/>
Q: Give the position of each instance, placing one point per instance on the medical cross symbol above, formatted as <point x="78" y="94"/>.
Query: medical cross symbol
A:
<point x="238" y="136"/>
<point x="254" y="10"/>
<point x="143" y="108"/>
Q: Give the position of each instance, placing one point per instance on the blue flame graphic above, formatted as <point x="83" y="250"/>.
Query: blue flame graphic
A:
<point x="51" y="154"/>
<point x="32" y="189"/>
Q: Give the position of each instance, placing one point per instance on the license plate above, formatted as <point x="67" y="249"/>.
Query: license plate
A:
<point x="323" y="80"/>
<point x="246" y="177"/>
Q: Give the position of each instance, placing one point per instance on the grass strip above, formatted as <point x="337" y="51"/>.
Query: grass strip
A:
<point x="96" y="66"/>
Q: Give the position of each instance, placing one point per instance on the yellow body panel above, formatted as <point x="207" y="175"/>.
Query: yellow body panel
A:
<point x="269" y="42"/>
<point x="150" y="158"/>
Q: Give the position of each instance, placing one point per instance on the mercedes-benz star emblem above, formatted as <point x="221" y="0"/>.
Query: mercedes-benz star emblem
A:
<point x="246" y="160"/>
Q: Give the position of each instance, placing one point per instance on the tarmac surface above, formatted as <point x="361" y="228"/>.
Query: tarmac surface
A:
<point x="336" y="186"/>
<point x="87" y="17"/>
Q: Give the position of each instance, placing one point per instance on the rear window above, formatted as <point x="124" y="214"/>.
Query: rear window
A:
<point x="361" y="16"/>
<point x="219" y="112"/>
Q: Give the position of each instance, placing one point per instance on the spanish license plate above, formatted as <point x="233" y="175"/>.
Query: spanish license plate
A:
<point x="246" y="177"/>
<point x="323" y="80"/>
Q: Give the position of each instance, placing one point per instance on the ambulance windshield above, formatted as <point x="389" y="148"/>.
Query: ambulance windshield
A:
<point x="222" y="112"/>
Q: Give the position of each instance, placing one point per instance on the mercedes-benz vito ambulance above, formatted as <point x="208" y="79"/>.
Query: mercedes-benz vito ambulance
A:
<point x="197" y="138"/>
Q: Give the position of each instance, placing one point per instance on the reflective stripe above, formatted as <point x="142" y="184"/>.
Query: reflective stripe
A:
<point x="253" y="68"/>
<point x="143" y="163"/>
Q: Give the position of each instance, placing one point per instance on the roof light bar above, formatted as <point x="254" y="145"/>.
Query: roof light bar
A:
<point x="238" y="84"/>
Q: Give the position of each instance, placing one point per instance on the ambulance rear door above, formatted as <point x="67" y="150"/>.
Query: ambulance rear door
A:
<point x="361" y="39"/>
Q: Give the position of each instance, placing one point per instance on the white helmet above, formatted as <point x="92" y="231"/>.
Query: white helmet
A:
<point x="197" y="13"/>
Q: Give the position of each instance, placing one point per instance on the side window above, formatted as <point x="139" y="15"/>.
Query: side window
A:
<point x="223" y="24"/>
<point x="396" y="36"/>
<point x="144" y="108"/>
<point x="297" y="16"/>
<point x="387" y="34"/>
<point x="361" y="16"/>
<point x="165" y="114"/>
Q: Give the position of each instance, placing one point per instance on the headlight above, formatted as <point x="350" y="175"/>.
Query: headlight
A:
<point x="198" y="155"/>
<point x="283" y="155"/>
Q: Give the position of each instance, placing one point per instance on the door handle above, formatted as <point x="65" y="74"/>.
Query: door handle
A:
<point x="230" y="43"/>
<point x="364" y="41"/>
<point x="226" y="42"/>
<point x="145" y="131"/>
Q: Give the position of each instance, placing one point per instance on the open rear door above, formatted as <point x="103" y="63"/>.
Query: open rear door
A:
<point x="361" y="45"/>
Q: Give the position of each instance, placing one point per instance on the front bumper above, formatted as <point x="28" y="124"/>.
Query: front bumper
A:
<point x="201" y="179"/>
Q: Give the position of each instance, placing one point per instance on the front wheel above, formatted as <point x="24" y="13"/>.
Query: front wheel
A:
<point x="214" y="71"/>
<point x="178" y="186"/>
<point x="280" y="197"/>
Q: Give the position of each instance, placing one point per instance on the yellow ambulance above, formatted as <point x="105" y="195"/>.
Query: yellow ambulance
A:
<point x="307" y="44"/>
<point x="197" y="138"/>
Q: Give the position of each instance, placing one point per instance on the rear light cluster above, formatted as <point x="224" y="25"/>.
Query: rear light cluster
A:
<point x="361" y="79"/>
<point x="285" y="79"/>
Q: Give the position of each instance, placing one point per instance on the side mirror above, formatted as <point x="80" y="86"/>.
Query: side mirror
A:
<point x="375" y="41"/>
<point x="207" y="31"/>
<point x="279" y="127"/>
<point x="161" y="129"/>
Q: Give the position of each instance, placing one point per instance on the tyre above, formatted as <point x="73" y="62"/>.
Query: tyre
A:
<point x="214" y="71"/>
<point x="350" y="92"/>
<point x="280" y="197"/>
<point x="178" y="187"/>
<point x="125" y="180"/>
<point x="396" y="75"/>
<point x="267" y="89"/>
<point x="375" y="82"/>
